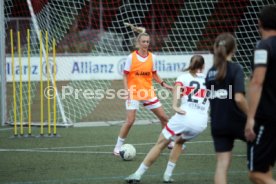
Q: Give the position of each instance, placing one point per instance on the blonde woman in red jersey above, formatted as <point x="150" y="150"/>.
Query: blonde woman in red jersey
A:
<point x="138" y="74"/>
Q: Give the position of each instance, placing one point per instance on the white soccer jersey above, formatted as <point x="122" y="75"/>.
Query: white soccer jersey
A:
<point x="196" y="105"/>
<point x="193" y="93"/>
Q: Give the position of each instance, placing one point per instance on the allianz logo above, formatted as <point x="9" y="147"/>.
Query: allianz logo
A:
<point x="121" y="66"/>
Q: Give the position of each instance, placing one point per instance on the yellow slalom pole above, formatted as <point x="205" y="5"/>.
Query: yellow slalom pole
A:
<point x="20" y="82"/>
<point x="41" y="87"/>
<point x="55" y="71"/>
<point x="48" y="84"/>
<point x="29" y="83"/>
<point x="13" y="85"/>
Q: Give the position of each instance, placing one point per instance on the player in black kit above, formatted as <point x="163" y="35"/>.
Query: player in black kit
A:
<point x="225" y="82"/>
<point x="260" y="128"/>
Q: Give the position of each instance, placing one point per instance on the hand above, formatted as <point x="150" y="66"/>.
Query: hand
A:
<point x="249" y="130"/>
<point x="179" y="110"/>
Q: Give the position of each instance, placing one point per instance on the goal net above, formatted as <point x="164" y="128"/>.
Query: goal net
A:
<point x="89" y="32"/>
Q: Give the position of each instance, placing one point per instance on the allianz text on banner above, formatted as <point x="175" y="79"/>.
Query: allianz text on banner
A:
<point x="96" y="67"/>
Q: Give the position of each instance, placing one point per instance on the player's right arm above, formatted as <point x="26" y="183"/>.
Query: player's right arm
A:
<point x="176" y="97"/>
<point x="127" y="68"/>
<point x="125" y="82"/>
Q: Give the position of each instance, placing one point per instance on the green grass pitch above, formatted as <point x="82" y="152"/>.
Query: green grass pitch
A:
<point x="84" y="156"/>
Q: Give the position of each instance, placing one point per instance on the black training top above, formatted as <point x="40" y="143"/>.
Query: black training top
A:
<point x="265" y="56"/>
<point x="224" y="110"/>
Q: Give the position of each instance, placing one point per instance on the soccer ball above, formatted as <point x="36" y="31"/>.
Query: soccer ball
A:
<point x="127" y="152"/>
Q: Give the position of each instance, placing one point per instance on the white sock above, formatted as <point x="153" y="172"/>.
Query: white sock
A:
<point x="120" y="142"/>
<point x="170" y="168"/>
<point x="142" y="169"/>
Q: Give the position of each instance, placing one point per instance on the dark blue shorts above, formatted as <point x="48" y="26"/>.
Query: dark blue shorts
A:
<point x="224" y="137"/>
<point x="261" y="154"/>
<point x="224" y="143"/>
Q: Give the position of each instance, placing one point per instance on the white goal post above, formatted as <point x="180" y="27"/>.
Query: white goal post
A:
<point x="65" y="120"/>
<point x="2" y="67"/>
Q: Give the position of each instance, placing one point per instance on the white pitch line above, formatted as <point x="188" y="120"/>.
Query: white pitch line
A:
<point x="111" y="145"/>
<point x="97" y="152"/>
<point x="4" y="129"/>
<point x="52" y="151"/>
<point x="111" y="179"/>
<point x="93" y="146"/>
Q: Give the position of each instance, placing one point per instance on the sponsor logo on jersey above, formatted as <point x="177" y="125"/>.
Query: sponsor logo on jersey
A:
<point x="142" y="73"/>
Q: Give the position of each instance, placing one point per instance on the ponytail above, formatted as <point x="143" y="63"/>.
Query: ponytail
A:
<point x="224" y="45"/>
<point x="220" y="62"/>
<point x="140" y="30"/>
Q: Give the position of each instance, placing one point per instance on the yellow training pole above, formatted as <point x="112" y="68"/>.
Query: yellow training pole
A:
<point x="54" y="105"/>
<point x="48" y="84"/>
<point x="29" y="83"/>
<point x="20" y="82"/>
<point x="41" y="86"/>
<point x="13" y="85"/>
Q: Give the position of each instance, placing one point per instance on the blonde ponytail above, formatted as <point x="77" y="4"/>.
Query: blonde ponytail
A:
<point x="136" y="29"/>
<point x="140" y="30"/>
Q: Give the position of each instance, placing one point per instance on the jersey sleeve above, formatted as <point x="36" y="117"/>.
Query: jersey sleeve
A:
<point x="128" y="64"/>
<point x="238" y="80"/>
<point x="261" y="54"/>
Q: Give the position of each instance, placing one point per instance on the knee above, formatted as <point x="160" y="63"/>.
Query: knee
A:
<point x="159" y="147"/>
<point x="162" y="144"/>
<point x="223" y="161"/>
<point x="164" y="118"/>
<point x="130" y="121"/>
<point x="255" y="177"/>
<point x="180" y="141"/>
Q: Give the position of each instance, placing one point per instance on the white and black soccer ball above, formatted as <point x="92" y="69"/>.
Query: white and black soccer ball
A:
<point x="127" y="152"/>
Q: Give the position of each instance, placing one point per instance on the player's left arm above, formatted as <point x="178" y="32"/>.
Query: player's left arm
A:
<point x="239" y="93"/>
<point x="157" y="78"/>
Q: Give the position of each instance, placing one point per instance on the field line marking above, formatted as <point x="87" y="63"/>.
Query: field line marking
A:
<point x="104" y="179"/>
<point x="111" y="145"/>
<point x="4" y="129"/>
<point x="99" y="152"/>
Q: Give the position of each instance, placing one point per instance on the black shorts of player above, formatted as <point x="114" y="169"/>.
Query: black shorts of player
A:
<point x="261" y="153"/>
<point x="224" y="138"/>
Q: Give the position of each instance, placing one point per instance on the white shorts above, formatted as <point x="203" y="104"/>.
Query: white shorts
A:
<point x="148" y="104"/>
<point x="187" y="126"/>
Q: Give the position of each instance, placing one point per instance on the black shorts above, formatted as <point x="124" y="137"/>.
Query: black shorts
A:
<point x="261" y="154"/>
<point x="224" y="139"/>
